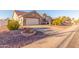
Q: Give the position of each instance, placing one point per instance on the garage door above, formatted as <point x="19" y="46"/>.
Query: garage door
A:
<point x="30" y="21"/>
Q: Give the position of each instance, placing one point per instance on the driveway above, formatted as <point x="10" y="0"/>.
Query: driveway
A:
<point x="57" y="40"/>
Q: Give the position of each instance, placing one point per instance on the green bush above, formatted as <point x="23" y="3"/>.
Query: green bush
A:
<point x="13" y="25"/>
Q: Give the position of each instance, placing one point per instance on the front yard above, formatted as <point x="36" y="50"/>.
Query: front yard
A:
<point x="36" y="26"/>
<point x="60" y="27"/>
<point x="4" y="28"/>
<point x="14" y="38"/>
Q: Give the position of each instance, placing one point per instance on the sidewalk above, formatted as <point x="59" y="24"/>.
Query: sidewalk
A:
<point x="52" y="41"/>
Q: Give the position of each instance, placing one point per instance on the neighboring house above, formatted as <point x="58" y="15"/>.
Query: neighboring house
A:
<point x="67" y="22"/>
<point x="47" y="19"/>
<point x="27" y="18"/>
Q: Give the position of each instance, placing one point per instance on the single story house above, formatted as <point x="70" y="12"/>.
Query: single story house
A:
<point x="27" y="18"/>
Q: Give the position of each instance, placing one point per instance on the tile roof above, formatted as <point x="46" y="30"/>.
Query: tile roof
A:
<point x="28" y="14"/>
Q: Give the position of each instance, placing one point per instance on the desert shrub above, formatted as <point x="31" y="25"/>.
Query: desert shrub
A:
<point x="13" y="25"/>
<point x="56" y="21"/>
<point x="60" y="20"/>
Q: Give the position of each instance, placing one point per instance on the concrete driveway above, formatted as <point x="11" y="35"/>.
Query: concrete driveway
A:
<point x="54" y="41"/>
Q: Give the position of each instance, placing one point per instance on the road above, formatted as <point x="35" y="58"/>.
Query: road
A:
<point x="68" y="38"/>
<point x="74" y="43"/>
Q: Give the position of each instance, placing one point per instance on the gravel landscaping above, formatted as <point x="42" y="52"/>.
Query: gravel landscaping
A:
<point x="14" y="39"/>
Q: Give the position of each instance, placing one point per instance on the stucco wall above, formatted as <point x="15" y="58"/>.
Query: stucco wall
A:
<point x="16" y="17"/>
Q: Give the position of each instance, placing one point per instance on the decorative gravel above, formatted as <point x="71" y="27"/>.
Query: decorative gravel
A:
<point x="14" y="39"/>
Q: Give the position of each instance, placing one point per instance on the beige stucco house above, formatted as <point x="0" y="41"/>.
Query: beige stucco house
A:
<point x="27" y="18"/>
<point x="31" y="18"/>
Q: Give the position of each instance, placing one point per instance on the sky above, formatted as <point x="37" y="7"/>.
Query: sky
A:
<point x="53" y="13"/>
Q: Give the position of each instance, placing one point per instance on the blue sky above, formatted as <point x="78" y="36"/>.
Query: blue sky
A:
<point x="52" y="13"/>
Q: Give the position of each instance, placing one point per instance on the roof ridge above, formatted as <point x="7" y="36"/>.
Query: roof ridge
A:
<point x="19" y="11"/>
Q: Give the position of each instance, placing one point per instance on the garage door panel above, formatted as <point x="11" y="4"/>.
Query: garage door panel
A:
<point x="32" y="21"/>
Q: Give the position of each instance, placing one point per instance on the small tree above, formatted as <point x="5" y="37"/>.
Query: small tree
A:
<point x="61" y="20"/>
<point x="13" y="24"/>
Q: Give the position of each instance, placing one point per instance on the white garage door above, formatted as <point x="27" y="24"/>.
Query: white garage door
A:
<point x="31" y="21"/>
